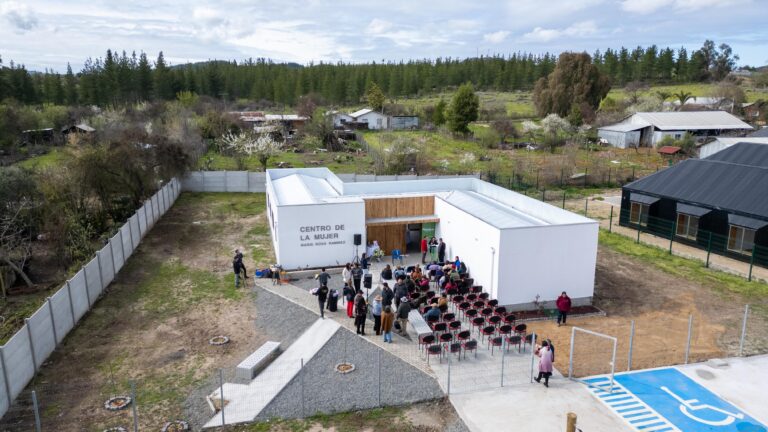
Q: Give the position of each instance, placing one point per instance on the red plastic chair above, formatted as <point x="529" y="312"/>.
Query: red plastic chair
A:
<point x="495" y="320"/>
<point x="500" y="311"/>
<point x="488" y="331"/>
<point x="483" y="295"/>
<point x="426" y="340"/>
<point x="449" y="316"/>
<point x="471" y="297"/>
<point x="478" y="322"/>
<point x="463" y="335"/>
<point x="439" y="327"/>
<point x="478" y="304"/>
<point x="477" y="289"/>
<point x="457" y="299"/>
<point x="505" y="330"/>
<point x="470" y="345"/>
<point x="446" y="338"/>
<point x="454" y="348"/>
<point x="492" y="303"/>
<point x="514" y="340"/>
<point x="464" y="306"/>
<point x="433" y="350"/>
<point x="470" y="314"/>
<point x="495" y="342"/>
<point x="486" y="312"/>
<point x="454" y="326"/>
<point x="521" y="329"/>
<point x="509" y="319"/>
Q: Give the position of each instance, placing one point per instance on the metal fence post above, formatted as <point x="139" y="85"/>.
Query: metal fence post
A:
<point x="122" y="244"/>
<point x="87" y="293"/>
<point x="544" y="195"/>
<point x="36" y="407"/>
<point x="586" y="206"/>
<point x="134" y="407"/>
<point x="226" y="189"/>
<point x="114" y="266"/>
<point x="31" y="345"/>
<point x="709" y="248"/>
<point x="751" y="262"/>
<point x="537" y="178"/>
<point x="449" y="374"/>
<point x="610" y="221"/>
<point x="71" y="305"/>
<point x="130" y="234"/>
<point x="5" y="375"/>
<point x="688" y="343"/>
<point x="563" y="199"/>
<point x="586" y="174"/>
<point x="533" y="351"/>
<point x="743" y="330"/>
<point x="633" y="173"/>
<point x="378" y="379"/>
<point x="301" y="377"/>
<point x="221" y="391"/>
<point x="672" y="236"/>
<point x="502" y="364"/>
<point x="53" y="321"/>
<point x="570" y="358"/>
<point x="631" y="342"/>
<point x="639" y="227"/>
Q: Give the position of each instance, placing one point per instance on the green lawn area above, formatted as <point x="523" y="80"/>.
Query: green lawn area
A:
<point x="690" y="269"/>
<point x="54" y="157"/>
<point x="341" y="162"/>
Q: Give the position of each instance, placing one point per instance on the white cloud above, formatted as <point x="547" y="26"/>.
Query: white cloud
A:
<point x="649" y="6"/>
<point x="18" y="15"/>
<point x="378" y="26"/>
<point x="496" y="37"/>
<point x="578" y="30"/>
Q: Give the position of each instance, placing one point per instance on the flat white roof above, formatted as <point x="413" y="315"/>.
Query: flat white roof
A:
<point x="690" y="120"/>
<point x="493" y="204"/>
<point x="358" y="113"/>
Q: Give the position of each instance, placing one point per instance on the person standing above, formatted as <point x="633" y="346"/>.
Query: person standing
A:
<point x="357" y="276"/>
<point x="376" y="312"/>
<point x="323" y="277"/>
<point x="545" y="363"/>
<point x="237" y="268"/>
<point x="333" y="300"/>
<point x="361" y="309"/>
<point x="346" y="274"/>
<point x="387" y="295"/>
<point x="349" y="295"/>
<point x="364" y="262"/>
<point x="432" y="248"/>
<point x="401" y="291"/>
<point x="441" y="251"/>
<point x="239" y="257"/>
<point x="402" y="315"/>
<point x="322" y="296"/>
<point x="424" y="249"/>
<point x="387" y="321"/>
<point x="563" y="307"/>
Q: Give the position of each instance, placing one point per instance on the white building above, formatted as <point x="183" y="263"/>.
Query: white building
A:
<point x="647" y="129"/>
<point x="516" y="247"/>
<point x="723" y="143"/>
<point x="375" y="119"/>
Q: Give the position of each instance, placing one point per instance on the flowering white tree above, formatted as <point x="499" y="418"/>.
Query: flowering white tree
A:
<point x="251" y="144"/>
<point x="530" y="128"/>
<point x="555" y="128"/>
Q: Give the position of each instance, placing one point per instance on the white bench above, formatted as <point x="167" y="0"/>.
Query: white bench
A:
<point x="248" y="368"/>
<point x="419" y="325"/>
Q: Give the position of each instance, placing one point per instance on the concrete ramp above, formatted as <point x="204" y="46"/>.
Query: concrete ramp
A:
<point x="244" y="402"/>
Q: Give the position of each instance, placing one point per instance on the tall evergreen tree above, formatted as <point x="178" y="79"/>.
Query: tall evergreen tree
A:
<point x="70" y="87"/>
<point x="163" y="80"/>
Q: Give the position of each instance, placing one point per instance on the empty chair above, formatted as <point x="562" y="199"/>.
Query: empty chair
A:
<point x="478" y="304"/>
<point x="483" y="295"/>
<point x="455" y="348"/>
<point x="426" y="340"/>
<point x="478" y="322"/>
<point x="486" y="312"/>
<point x="493" y="303"/>
<point x="488" y="331"/>
<point x="439" y="327"/>
<point x="521" y="329"/>
<point x="477" y="289"/>
<point x="397" y="255"/>
<point x="495" y="320"/>
<point x="464" y="306"/>
<point x="505" y="330"/>
<point x="470" y="314"/>
<point x="457" y="299"/>
<point x="528" y="340"/>
<point x="500" y="311"/>
<point x="509" y="319"/>
<point x="449" y="316"/>
<point x="470" y="345"/>
<point x="463" y="335"/>
<point x="435" y="350"/>
<point x="446" y="338"/>
<point x="514" y="340"/>
<point x="495" y="342"/>
<point x="454" y="326"/>
<point x="471" y="297"/>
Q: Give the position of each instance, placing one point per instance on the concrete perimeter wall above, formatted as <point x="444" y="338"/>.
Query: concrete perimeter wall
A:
<point x="379" y="379"/>
<point x="246" y="181"/>
<point x="26" y="351"/>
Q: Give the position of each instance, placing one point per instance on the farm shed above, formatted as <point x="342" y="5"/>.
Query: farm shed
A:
<point x="516" y="247"/>
<point x="655" y="126"/>
<point x="718" y="202"/>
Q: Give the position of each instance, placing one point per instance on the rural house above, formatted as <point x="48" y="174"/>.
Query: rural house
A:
<point x="718" y="203"/>
<point x="647" y="129"/>
<point x="722" y="143"/>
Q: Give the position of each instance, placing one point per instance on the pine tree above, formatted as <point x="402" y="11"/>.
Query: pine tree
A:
<point x="375" y="97"/>
<point x="464" y="109"/>
<point x="144" y="78"/>
<point x="70" y="87"/>
<point x="163" y="83"/>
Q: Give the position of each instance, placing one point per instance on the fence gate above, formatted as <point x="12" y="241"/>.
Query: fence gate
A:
<point x="593" y="354"/>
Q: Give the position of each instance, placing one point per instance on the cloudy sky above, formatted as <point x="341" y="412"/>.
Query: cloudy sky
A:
<point x="42" y="33"/>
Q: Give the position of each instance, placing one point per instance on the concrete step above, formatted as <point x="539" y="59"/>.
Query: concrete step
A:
<point x="245" y="402"/>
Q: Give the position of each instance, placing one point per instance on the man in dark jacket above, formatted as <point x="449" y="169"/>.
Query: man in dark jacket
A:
<point x="322" y="296"/>
<point x="357" y="276"/>
<point x="563" y="307"/>
<point x="238" y="268"/>
<point x="387" y="295"/>
<point x="402" y="315"/>
<point x="401" y="291"/>
<point x="323" y="277"/>
<point x="361" y="310"/>
<point x="441" y="251"/>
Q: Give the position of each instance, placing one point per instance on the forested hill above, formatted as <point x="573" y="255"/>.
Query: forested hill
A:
<point x="125" y="78"/>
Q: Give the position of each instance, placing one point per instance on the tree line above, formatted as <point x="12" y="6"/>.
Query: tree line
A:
<point x="122" y="78"/>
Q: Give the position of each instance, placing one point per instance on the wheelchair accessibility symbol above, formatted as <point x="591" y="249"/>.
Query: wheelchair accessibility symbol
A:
<point x="689" y="406"/>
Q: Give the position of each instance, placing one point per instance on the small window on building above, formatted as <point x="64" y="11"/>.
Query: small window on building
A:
<point x="678" y="136"/>
<point x="741" y="239"/>
<point x="687" y="226"/>
<point x="638" y="213"/>
<point x="378" y="122"/>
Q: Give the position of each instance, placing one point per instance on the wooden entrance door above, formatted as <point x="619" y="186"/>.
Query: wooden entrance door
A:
<point x="389" y="237"/>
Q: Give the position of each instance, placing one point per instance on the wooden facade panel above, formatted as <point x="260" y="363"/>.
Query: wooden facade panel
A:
<point x="399" y="207"/>
<point x="389" y="237"/>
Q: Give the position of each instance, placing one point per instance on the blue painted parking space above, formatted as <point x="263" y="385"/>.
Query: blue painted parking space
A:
<point x="664" y="400"/>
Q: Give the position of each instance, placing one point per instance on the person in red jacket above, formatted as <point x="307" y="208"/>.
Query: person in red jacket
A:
<point x="563" y="307"/>
<point x="424" y="250"/>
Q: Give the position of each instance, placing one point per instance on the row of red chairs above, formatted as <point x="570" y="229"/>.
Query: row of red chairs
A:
<point x="451" y="348"/>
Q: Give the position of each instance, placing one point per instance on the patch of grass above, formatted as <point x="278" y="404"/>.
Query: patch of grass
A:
<point x="225" y="204"/>
<point x="54" y="157"/>
<point x="390" y="419"/>
<point x="15" y="309"/>
<point x="356" y="164"/>
<point x="690" y="269"/>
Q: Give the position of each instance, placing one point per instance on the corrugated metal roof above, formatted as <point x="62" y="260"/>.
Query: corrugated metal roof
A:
<point x="724" y="184"/>
<point x="497" y="215"/>
<point x="623" y="127"/>
<point x="760" y="133"/>
<point x="668" y="150"/>
<point x="743" y="153"/>
<point x="358" y="113"/>
<point x="691" y="120"/>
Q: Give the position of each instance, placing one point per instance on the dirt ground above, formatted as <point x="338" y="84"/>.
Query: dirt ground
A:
<point x="660" y="305"/>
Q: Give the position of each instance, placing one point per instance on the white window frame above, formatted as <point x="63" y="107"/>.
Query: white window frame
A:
<point x="642" y="218"/>
<point x="689" y="228"/>
<point x="738" y="242"/>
